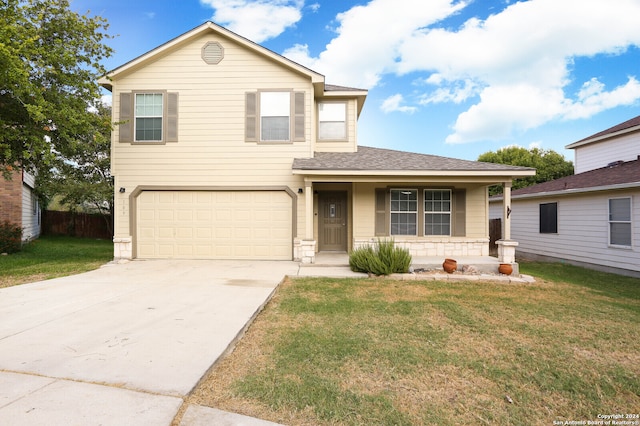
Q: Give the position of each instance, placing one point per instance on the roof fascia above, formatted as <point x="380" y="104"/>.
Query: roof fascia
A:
<point x="510" y="174"/>
<point x="603" y="137"/>
<point x="568" y="192"/>
<point x="189" y="35"/>
<point x="359" y="95"/>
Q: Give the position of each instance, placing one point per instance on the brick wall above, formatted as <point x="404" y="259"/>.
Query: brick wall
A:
<point x="11" y="199"/>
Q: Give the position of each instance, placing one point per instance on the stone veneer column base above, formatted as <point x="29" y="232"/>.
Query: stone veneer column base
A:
<point x="122" y="248"/>
<point x="304" y="251"/>
<point x="507" y="251"/>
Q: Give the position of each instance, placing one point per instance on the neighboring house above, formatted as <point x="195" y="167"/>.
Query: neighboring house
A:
<point x="228" y="150"/>
<point x="19" y="203"/>
<point x="591" y="218"/>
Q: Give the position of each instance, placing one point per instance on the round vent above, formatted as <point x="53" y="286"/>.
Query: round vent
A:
<point x="212" y="53"/>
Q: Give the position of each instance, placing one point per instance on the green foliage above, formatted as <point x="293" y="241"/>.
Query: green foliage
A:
<point x="49" y="65"/>
<point x="81" y="175"/>
<point x="10" y="237"/>
<point x="549" y="165"/>
<point x="383" y="259"/>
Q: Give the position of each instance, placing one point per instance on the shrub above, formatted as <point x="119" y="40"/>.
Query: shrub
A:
<point x="10" y="237"/>
<point x="383" y="259"/>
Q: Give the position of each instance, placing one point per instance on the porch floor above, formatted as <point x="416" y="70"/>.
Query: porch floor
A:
<point x="482" y="264"/>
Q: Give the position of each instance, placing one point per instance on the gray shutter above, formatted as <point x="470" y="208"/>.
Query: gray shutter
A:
<point x="251" y="117"/>
<point x="125" y="120"/>
<point x="298" y="117"/>
<point x="172" y="118"/>
<point x="459" y="213"/>
<point x="382" y="212"/>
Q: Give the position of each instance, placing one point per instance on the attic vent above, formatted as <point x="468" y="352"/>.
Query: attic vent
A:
<point x="212" y="53"/>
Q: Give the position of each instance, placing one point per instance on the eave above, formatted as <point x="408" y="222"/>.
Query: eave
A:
<point x="569" y="192"/>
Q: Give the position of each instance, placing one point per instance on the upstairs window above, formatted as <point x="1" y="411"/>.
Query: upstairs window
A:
<point x="549" y="218"/>
<point x="275" y="110"/>
<point x="620" y="222"/>
<point x="332" y="121"/>
<point x="274" y="116"/>
<point x="148" y="117"/>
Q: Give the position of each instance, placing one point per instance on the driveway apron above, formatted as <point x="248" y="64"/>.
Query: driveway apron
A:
<point x="127" y="341"/>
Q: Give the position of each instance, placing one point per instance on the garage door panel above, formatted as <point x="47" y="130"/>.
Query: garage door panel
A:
<point x="214" y="225"/>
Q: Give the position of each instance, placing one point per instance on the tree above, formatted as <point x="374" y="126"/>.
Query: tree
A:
<point x="549" y="165"/>
<point x="49" y="66"/>
<point x="81" y="173"/>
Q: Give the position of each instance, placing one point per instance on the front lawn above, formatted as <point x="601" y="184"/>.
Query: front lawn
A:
<point x="383" y="352"/>
<point x="50" y="257"/>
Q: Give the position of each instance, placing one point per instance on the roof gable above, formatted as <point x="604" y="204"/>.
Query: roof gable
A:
<point x="208" y="26"/>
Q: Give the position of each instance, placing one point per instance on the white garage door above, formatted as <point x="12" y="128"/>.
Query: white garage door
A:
<point x="214" y="225"/>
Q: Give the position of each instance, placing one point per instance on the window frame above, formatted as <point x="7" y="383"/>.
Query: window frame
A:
<point x="345" y="135"/>
<point x="393" y="212"/>
<point x="544" y="218"/>
<point x="162" y="116"/>
<point x="435" y="212"/>
<point x="612" y="222"/>
<point x="262" y="95"/>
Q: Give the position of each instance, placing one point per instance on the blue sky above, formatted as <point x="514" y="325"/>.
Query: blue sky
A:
<point x="448" y="77"/>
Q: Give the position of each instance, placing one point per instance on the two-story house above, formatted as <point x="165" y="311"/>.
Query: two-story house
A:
<point x="227" y="150"/>
<point x="591" y="218"/>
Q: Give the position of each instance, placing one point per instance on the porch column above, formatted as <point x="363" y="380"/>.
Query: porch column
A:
<point x="507" y="247"/>
<point x="308" y="200"/>
<point x="506" y="210"/>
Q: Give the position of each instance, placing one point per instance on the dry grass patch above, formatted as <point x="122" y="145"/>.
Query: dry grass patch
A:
<point x="351" y="352"/>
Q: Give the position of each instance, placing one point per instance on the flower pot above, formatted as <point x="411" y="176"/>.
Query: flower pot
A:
<point x="449" y="266"/>
<point x="505" y="268"/>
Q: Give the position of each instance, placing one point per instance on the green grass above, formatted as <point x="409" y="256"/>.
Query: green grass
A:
<point x="50" y="257"/>
<point x="375" y="351"/>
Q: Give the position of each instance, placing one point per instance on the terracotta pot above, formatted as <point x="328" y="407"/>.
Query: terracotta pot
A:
<point x="505" y="268"/>
<point x="449" y="266"/>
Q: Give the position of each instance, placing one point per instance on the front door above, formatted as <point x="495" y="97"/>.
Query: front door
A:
<point x="332" y="223"/>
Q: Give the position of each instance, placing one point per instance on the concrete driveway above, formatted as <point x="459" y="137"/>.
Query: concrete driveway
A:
<point x="123" y="344"/>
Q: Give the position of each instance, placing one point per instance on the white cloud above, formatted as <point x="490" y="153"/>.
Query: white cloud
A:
<point x="393" y="103"/>
<point x="456" y="92"/>
<point x="256" y="20"/>
<point x="593" y="98"/>
<point x="517" y="62"/>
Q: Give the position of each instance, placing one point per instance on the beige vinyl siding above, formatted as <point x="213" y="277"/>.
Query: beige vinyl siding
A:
<point x="583" y="229"/>
<point x="211" y="148"/>
<point x="477" y="211"/>
<point x="599" y="154"/>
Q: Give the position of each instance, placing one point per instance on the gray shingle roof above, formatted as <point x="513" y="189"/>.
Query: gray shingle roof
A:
<point x="378" y="159"/>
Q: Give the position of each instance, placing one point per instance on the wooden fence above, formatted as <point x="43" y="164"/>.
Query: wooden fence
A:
<point x="77" y="224"/>
<point x="495" y="234"/>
